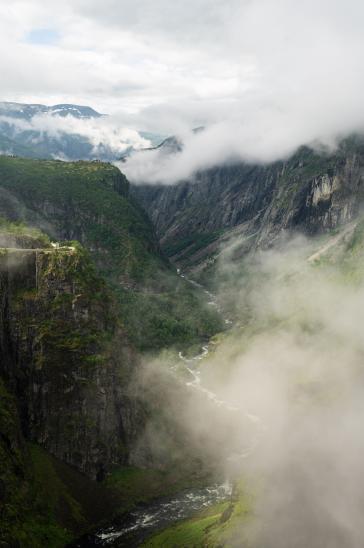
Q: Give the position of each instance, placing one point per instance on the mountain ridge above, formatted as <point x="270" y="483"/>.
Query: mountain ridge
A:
<point x="309" y="192"/>
<point x="28" y="110"/>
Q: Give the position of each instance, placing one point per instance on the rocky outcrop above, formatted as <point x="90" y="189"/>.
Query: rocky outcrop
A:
<point x="65" y="357"/>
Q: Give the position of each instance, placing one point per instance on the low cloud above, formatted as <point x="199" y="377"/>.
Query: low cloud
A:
<point x="102" y="133"/>
<point x="252" y="131"/>
<point x="262" y="77"/>
<point x="298" y="367"/>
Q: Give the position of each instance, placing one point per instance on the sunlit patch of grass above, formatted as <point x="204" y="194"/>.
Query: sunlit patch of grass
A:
<point x="216" y="526"/>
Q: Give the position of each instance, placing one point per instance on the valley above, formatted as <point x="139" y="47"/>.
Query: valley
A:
<point x="153" y="359"/>
<point x="181" y="274"/>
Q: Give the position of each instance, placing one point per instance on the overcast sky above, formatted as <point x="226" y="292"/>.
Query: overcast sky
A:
<point x="275" y="73"/>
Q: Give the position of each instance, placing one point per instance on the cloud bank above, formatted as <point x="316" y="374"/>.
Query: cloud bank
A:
<point x="263" y="77"/>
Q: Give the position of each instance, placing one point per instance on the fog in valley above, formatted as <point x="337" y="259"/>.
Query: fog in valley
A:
<point x="279" y="403"/>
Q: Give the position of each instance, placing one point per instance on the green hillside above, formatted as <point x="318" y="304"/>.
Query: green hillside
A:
<point x="89" y="202"/>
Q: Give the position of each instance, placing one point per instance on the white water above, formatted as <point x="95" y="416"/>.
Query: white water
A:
<point x="159" y="514"/>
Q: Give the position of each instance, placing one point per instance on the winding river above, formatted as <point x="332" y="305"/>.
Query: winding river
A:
<point x="132" y="528"/>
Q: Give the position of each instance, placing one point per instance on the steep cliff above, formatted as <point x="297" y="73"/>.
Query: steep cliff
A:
<point x="310" y="192"/>
<point x="69" y="413"/>
<point x="65" y="356"/>
<point x="66" y="417"/>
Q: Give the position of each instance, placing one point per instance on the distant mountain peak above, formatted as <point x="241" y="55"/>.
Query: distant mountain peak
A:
<point x="27" y="111"/>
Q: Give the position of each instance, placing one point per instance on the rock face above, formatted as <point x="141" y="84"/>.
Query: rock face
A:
<point x="65" y="357"/>
<point x="309" y="193"/>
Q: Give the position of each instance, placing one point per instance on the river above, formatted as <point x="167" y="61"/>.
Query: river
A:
<point x="131" y="529"/>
